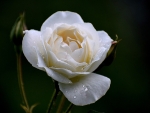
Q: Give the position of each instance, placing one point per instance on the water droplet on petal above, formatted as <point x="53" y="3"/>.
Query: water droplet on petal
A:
<point x="85" y="89"/>
<point x="74" y="97"/>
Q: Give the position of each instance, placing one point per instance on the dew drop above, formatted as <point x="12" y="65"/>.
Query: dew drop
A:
<point x="74" y="97"/>
<point x="85" y="89"/>
<point x="83" y="85"/>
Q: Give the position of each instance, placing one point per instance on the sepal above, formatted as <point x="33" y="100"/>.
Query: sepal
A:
<point x="111" y="53"/>
<point x="16" y="34"/>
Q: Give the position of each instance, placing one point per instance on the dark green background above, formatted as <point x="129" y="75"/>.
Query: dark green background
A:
<point x="129" y="73"/>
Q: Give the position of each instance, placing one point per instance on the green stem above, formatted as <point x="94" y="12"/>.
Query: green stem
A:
<point x="54" y="96"/>
<point x="20" y="81"/>
<point x="61" y="104"/>
<point x="69" y="108"/>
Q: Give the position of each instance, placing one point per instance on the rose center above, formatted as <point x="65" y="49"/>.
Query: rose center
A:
<point x="71" y="37"/>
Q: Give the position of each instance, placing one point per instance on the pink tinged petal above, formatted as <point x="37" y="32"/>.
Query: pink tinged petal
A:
<point x="29" y="43"/>
<point x="86" y="90"/>
<point x="62" y="17"/>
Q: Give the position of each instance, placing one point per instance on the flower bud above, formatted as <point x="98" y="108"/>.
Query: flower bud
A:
<point x="16" y="34"/>
<point x="111" y="53"/>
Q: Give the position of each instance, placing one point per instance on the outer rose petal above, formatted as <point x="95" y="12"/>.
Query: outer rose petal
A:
<point x="30" y="40"/>
<point x="87" y="90"/>
<point x="57" y="76"/>
<point x="54" y="75"/>
<point x="69" y="74"/>
<point x="62" y="17"/>
<point x="106" y="42"/>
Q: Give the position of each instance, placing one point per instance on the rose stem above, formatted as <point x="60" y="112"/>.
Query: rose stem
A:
<point x="53" y="98"/>
<point x="20" y="80"/>
<point x="69" y="108"/>
<point x="61" y="104"/>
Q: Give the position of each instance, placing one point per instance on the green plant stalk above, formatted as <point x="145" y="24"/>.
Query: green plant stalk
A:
<point x="61" y="104"/>
<point x="69" y="108"/>
<point x="53" y="98"/>
<point x="20" y="81"/>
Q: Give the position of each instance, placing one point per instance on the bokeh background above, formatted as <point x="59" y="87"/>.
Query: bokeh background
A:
<point x="129" y="73"/>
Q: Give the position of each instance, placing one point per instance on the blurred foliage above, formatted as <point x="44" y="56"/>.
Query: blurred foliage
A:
<point x="129" y="72"/>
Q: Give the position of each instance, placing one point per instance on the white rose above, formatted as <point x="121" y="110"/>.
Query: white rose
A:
<point x="69" y="50"/>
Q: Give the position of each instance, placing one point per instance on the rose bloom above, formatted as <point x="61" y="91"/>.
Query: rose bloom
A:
<point x="69" y="50"/>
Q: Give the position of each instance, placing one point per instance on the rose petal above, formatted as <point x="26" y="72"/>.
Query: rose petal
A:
<point x="77" y="55"/>
<point x="97" y="60"/>
<point x="62" y="17"/>
<point x="30" y="41"/>
<point x="106" y="42"/>
<point x="46" y="34"/>
<point x="53" y="74"/>
<point x="65" y="48"/>
<point x="73" y="45"/>
<point x="74" y="63"/>
<point x="88" y="89"/>
<point x="57" y="76"/>
<point x="67" y="73"/>
<point x="55" y="62"/>
<point x="92" y="34"/>
<point x="105" y="39"/>
<point x="61" y="55"/>
<point x="90" y="30"/>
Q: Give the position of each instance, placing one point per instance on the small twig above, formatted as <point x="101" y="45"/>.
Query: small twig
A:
<point x="61" y="104"/>
<point x="20" y="81"/>
<point x="53" y="98"/>
<point x="69" y="108"/>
